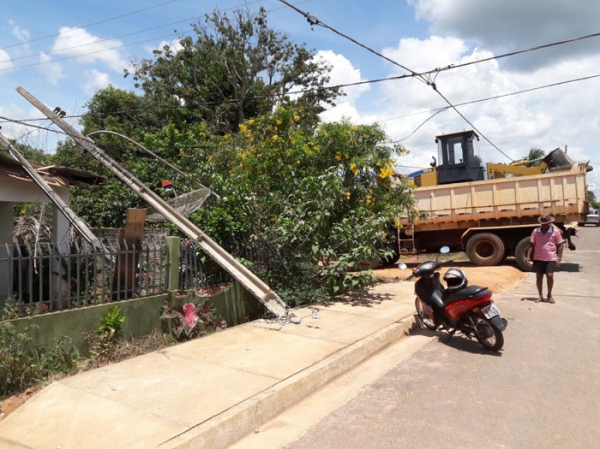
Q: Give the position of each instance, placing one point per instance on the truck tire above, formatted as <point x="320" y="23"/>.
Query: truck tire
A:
<point x="521" y="252"/>
<point x="485" y="249"/>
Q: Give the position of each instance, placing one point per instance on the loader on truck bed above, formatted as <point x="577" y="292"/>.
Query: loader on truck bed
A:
<point x="490" y="219"/>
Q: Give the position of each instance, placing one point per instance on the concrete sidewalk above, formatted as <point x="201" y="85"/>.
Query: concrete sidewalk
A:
<point x="212" y="391"/>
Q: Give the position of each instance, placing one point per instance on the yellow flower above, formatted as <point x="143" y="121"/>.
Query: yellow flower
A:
<point x="338" y="156"/>
<point x="275" y="137"/>
<point x="278" y="122"/>
<point x="251" y="122"/>
<point x="352" y="166"/>
<point x="347" y="195"/>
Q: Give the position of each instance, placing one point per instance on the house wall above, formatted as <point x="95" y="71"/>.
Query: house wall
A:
<point x="17" y="191"/>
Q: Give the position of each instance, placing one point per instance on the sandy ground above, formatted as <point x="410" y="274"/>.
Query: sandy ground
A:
<point x="498" y="279"/>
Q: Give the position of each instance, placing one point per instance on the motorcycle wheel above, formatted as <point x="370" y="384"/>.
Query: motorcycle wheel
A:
<point x="425" y="314"/>
<point x="488" y="335"/>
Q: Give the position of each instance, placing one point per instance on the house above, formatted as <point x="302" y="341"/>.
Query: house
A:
<point x="17" y="187"/>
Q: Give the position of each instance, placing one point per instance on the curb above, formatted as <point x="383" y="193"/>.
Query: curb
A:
<point x="229" y="426"/>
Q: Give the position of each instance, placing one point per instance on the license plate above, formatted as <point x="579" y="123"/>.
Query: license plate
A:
<point x="491" y="311"/>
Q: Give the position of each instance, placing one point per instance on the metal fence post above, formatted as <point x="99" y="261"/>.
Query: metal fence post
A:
<point x="173" y="268"/>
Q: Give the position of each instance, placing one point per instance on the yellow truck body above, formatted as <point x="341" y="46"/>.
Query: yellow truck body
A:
<point x="562" y="193"/>
<point x="493" y="219"/>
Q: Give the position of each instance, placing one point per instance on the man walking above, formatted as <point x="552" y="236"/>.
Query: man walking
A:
<point x="547" y="245"/>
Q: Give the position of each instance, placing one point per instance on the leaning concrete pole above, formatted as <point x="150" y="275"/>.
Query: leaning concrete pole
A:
<point x="239" y="272"/>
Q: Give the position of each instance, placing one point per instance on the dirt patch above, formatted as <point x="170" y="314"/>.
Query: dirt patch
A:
<point x="9" y="405"/>
<point x="498" y="279"/>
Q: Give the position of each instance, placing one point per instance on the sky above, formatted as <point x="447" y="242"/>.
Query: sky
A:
<point x="63" y="52"/>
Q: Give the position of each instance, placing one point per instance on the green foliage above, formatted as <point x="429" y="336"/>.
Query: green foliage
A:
<point x="21" y="366"/>
<point x="535" y="154"/>
<point x="18" y="366"/>
<point x="61" y="358"/>
<point x="110" y="324"/>
<point x="303" y="203"/>
<point x="592" y="199"/>
<point x="231" y="57"/>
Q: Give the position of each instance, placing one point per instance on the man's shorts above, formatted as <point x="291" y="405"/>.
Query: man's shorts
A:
<point x="542" y="267"/>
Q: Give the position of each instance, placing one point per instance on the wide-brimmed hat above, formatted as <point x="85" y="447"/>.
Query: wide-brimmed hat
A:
<point x="546" y="219"/>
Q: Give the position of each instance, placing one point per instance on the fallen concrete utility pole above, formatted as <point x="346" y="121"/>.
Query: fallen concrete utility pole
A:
<point x="73" y="218"/>
<point x="238" y="271"/>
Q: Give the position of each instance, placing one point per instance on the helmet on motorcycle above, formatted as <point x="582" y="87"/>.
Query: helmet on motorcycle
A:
<point x="455" y="279"/>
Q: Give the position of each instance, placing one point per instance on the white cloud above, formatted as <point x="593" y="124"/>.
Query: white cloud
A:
<point x="543" y="118"/>
<point x="51" y="71"/>
<point x="20" y="33"/>
<point x="6" y="63"/>
<point x="89" y="49"/>
<point x="174" y="45"/>
<point x="94" y="80"/>
<point x="343" y="72"/>
<point x="513" y="25"/>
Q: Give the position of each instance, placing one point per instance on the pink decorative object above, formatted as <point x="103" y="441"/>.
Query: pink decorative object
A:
<point x="189" y="313"/>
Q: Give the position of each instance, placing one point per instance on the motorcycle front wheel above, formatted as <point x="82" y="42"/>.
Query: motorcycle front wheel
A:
<point x="488" y="335"/>
<point x="425" y="314"/>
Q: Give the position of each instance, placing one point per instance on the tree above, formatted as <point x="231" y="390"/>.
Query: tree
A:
<point x="592" y="199"/>
<point x="306" y="208"/>
<point x="535" y="154"/>
<point x="236" y="68"/>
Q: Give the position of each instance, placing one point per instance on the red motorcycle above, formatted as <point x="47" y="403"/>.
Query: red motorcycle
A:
<point x="458" y="306"/>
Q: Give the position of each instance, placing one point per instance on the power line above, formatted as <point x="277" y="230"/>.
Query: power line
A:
<point x="86" y="54"/>
<point x="585" y="78"/>
<point x="312" y="20"/>
<point x="436" y="111"/>
<point x="90" y="24"/>
<point x="101" y="40"/>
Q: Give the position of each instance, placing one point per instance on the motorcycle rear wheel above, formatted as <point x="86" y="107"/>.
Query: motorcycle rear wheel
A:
<point x="425" y="314"/>
<point x="488" y="335"/>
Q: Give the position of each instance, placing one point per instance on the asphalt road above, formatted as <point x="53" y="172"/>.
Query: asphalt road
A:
<point x="541" y="391"/>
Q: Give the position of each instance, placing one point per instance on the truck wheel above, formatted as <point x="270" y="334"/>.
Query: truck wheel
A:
<point x="521" y="252"/>
<point x="485" y="249"/>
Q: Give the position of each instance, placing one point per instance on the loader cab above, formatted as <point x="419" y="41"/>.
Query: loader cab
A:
<point x="457" y="159"/>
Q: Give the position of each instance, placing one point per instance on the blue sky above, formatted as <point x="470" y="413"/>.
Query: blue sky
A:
<point x="61" y="52"/>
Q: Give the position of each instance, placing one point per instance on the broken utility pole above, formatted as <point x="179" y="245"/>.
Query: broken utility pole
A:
<point x="237" y="270"/>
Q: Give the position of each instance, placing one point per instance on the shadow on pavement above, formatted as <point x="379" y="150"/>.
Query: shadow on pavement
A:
<point x="364" y="298"/>
<point x="457" y="341"/>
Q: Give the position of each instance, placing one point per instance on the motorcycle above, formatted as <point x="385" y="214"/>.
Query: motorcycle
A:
<point x="468" y="309"/>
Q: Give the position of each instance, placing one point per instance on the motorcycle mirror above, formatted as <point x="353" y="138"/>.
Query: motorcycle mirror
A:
<point x="402" y="266"/>
<point x="444" y="249"/>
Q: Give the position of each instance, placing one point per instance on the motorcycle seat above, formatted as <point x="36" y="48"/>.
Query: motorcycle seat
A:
<point x="470" y="292"/>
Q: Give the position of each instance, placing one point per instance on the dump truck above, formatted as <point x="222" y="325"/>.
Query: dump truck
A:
<point x="489" y="212"/>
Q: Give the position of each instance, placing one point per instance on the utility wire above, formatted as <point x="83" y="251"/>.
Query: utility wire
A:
<point x="100" y="41"/>
<point x="86" y="54"/>
<point x="312" y="20"/>
<point x="89" y="25"/>
<point x="436" y="111"/>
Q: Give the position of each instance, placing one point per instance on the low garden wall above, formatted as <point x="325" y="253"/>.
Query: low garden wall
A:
<point x="142" y="316"/>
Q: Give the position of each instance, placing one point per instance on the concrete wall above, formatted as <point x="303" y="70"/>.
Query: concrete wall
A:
<point x="142" y="317"/>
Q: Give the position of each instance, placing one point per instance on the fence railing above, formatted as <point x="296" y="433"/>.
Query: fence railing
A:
<point x="46" y="277"/>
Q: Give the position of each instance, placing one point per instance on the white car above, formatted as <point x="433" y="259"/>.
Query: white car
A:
<point x="593" y="217"/>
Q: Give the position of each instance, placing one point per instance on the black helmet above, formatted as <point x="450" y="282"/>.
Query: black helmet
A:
<point x="455" y="279"/>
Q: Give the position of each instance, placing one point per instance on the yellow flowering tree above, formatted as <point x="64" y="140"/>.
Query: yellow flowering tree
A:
<point x="319" y="202"/>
